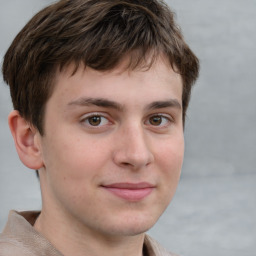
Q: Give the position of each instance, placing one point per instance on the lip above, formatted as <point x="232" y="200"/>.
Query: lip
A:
<point x="130" y="191"/>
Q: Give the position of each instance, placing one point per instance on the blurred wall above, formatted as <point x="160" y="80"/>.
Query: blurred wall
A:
<point x="215" y="206"/>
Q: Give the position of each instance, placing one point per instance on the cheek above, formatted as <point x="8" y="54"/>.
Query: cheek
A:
<point x="170" y="161"/>
<point x="72" y="156"/>
<point x="74" y="168"/>
<point x="70" y="169"/>
<point x="172" y="153"/>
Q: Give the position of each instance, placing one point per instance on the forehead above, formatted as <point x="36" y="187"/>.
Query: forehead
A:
<point x="144" y="80"/>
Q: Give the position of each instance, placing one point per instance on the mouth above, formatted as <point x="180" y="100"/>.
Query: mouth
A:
<point x="130" y="191"/>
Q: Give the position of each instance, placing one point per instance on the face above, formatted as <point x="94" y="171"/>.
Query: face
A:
<point x="113" y="148"/>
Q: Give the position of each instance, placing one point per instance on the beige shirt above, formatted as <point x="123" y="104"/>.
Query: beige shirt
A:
<point x="20" y="238"/>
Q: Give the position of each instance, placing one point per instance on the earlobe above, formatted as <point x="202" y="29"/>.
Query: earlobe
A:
<point x="26" y="141"/>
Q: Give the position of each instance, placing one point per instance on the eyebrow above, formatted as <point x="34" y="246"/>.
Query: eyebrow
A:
<point x="101" y="102"/>
<point x="164" y="104"/>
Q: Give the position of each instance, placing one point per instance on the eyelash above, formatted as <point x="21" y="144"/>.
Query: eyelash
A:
<point x="86" y="120"/>
<point x="160" y="117"/>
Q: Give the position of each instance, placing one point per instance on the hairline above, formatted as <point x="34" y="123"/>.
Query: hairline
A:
<point x="74" y="67"/>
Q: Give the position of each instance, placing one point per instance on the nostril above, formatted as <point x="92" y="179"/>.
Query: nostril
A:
<point x="126" y="164"/>
<point x="135" y="154"/>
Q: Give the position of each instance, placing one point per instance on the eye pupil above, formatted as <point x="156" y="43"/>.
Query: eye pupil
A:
<point x="156" y="120"/>
<point x="94" y="120"/>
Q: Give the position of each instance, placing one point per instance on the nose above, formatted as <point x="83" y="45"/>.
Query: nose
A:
<point x="133" y="149"/>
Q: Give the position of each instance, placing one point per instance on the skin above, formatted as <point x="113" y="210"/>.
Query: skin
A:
<point x="103" y="128"/>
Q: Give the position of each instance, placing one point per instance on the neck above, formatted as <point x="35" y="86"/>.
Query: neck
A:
<point x="72" y="239"/>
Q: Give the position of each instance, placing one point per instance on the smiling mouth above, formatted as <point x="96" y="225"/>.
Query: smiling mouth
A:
<point x="130" y="191"/>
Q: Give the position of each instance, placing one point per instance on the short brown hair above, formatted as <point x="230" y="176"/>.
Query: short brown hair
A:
<point x="98" y="34"/>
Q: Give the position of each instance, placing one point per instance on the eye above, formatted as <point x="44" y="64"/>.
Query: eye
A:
<point x="95" y="120"/>
<point x="159" y="120"/>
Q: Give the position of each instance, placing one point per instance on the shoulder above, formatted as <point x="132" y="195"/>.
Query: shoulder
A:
<point x="13" y="236"/>
<point x="11" y="247"/>
<point x="155" y="249"/>
<point x="20" y="238"/>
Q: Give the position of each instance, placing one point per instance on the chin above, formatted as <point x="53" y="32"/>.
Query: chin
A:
<point x="132" y="225"/>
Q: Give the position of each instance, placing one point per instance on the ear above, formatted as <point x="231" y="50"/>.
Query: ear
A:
<point x="27" y="141"/>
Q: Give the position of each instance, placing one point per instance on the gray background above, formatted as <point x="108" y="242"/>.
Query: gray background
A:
<point x="213" y="212"/>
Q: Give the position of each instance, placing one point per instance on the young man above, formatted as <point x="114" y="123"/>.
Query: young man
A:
<point x="100" y="90"/>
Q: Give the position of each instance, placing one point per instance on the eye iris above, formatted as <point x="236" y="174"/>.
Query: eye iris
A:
<point x="94" y="120"/>
<point x="155" y="120"/>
